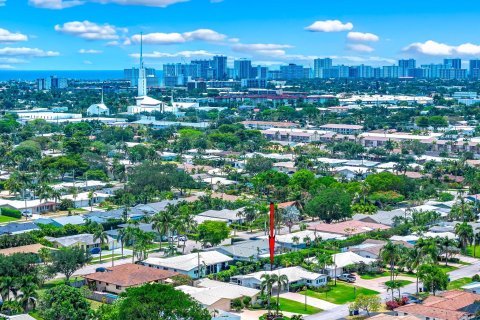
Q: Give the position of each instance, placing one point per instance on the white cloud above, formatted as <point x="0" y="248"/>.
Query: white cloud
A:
<point x="433" y="48"/>
<point x="7" y="36"/>
<point x="55" y="4"/>
<point x="13" y="60"/>
<point x="6" y="67"/>
<point x="360" y="47"/>
<point x="88" y="62"/>
<point x="360" y="36"/>
<point x="112" y="43"/>
<point x="3" y="3"/>
<point x="27" y="52"/>
<point x="160" y="38"/>
<point x="181" y="54"/>
<point x="90" y="30"/>
<point x="263" y="49"/>
<point x="175" y="37"/>
<point x="148" y="3"/>
<point x="204" y="35"/>
<point x="62" y="4"/>
<point x="329" y="26"/>
<point x="89" y="51"/>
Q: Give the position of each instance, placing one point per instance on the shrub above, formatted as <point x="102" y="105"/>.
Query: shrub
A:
<point x="445" y="196"/>
<point x="13" y="213"/>
<point x="246" y="301"/>
<point x="476" y="278"/>
<point x="237" y="304"/>
<point x="66" y="204"/>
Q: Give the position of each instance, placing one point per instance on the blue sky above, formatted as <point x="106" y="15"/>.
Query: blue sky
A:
<point x="103" y="34"/>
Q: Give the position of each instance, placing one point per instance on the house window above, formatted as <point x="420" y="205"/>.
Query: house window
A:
<point x="118" y="287"/>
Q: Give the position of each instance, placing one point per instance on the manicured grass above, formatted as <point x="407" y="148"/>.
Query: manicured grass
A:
<point x="470" y="251"/>
<point x="369" y="276"/>
<point x="402" y="283"/>
<point x="35" y="314"/>
<point x="341" y="293"/>
<point x="5" y="219"/>
<point x="297" y="307"/>
<point x="109" y="258"/>
<point x="447" y="268"/>
<point x="456" y="284"/>
<point x="94" y="304"/>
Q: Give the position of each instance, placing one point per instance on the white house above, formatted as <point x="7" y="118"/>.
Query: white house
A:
<point x="82" y="199"/>
<point x="207" y="262"/>
<point x="295" y="275"/>
<point x="344" y="259"/>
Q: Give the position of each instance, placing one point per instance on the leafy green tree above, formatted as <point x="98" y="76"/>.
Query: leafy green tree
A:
<point x="64" y="302"/>
<point x="384" y="181"/>
<point x="213" y="232"/>
<point x="330" y="205"/>
<point x="258" y="164"/>
<point x="69" y="260"/>
<point x="302" y="180"/>
<point x="367" y="303"/>
<point x="465" y="234"/>
<point x="433" y="277"/>
<point x="155" y="302"/>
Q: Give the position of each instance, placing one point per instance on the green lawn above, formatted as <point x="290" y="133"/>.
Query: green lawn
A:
<point x="456" y="284"/>
<point x="447" y="268"/>
<point x="5" y="219"/>
<point x="341" y="293"/>
<point x="35" y="315"/>
<point x="297" y="307"/>
<point x="470" y="251"/>
<point x="369" y="276"/>
<point x="402" y="283"/>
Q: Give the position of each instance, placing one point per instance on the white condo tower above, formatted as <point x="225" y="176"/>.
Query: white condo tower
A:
<point x="142" y="79"/>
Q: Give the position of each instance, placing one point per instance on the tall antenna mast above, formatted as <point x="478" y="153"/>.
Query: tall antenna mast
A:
<point x="141" y="49"/>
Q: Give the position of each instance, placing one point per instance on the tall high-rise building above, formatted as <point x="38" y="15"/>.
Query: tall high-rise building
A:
<point x="51" y="83"/>
<point x="132" y="75"/>
<point x="432" y="71"/>
<point x="259" y="72"/>
<point x="405" y="65"/>
<point x="292" y="71"/>
<point x="455" y="63"/>
<point x="475" y="69"/>
<point x="219" y="65"/>
<point x="205" y="65"/>
<point x="243" y="68"/>
<point x="390" y="72"/>
<point x="175" y="74"/>
<point x="319" y="65"/>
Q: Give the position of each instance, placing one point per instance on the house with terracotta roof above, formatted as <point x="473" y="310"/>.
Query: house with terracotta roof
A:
<point x="348" y="228"/>
<point x="117" y="279"/>
<point x="451" y="305"/>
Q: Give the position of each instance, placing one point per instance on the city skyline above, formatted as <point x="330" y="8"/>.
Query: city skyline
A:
<point x="104" y="34"/>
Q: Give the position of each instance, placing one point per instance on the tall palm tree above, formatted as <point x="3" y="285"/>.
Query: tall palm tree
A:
<point x="390" y="254"/>
<point x="130" y="235"/>
<point x="476" y="240"/>
<point x="281" y="282"/>
<point x="163" y="222"/>
<point x="464" y="232"/>
<point x="28" y="296"/>
<point x="266" y="287"/>
<point x="121" y="237"/>
<point x="100" y="235"/>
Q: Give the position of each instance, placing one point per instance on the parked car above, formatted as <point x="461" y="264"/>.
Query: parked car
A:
<point x="26" y="213"/>
<point x="96" y="250"/>
<point x="182" y="238"/>
<point x="411" y="298"/>
<point x="347" y="277"/>
<point x="101" y="269"/>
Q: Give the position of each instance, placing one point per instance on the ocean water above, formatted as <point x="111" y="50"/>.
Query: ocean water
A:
<point x="30" y="75"/>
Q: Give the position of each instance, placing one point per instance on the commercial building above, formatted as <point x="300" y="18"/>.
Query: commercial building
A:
<point x="242" y="69"/>
<point x="51" y="83"/>
<point x="132" y="75"/>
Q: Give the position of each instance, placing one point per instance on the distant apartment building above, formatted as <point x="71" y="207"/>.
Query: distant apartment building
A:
<point x="132" y="76"/>
<point x="292" y="72"/>
<point x="263" y="125"/>
<point x="242" y="69"/>
<point x="319" y="65"/>
<point x="178" y="74"/>
<point x="51" y="83"/>
<point x="405" y="65"/>
<point x="219" y="66"/>
<point x="342" y="128"/>
<point x="475" y="69"/>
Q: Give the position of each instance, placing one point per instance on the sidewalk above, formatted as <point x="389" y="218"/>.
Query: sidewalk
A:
<point x="314" y="302"/>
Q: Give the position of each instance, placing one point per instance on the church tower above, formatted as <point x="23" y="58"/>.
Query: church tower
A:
<point x="142" y="79"/>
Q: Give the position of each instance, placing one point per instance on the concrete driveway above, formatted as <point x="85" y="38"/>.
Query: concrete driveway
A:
<point x="378" y="284"/>
<point x="314" y="302"/>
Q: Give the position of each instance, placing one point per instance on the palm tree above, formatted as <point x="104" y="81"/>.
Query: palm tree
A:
<point x="296" y="241"/>
<point x="281" y="282"/>
<point x="476" y="240"/>
<point x="130" y="235"/>
<point x="56" y="195"/>
<point x="390" y="254"/>
<point x="121" y="237"/>
<point x="162" y="222"/>
<point x="102" y="236"/>
<point x="464" y="232"/>
<point x="266" y="288"/>
<point x="28" y="296"/>
<point x="414" y="258"/>
<point x="323" y="260"/>
<point x="6" y="286"/>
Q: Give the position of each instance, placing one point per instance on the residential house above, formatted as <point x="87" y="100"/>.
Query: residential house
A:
<point x="216" y="295"/>
<point x="225" y="215"/>
<point x="83" y="240"/>
<point x="247" y="250"/>
<point x="473" y="287"/>
<point x="119" y="278"/>
<point x="208" y="262"/>
<point x="17" y="228"/>
<point x="348" y="228"/>
<point x="451" y="305"/>
<point x="345" y="259"/>
<point x="83" y="200"/>
<point x="296" y="276"/>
